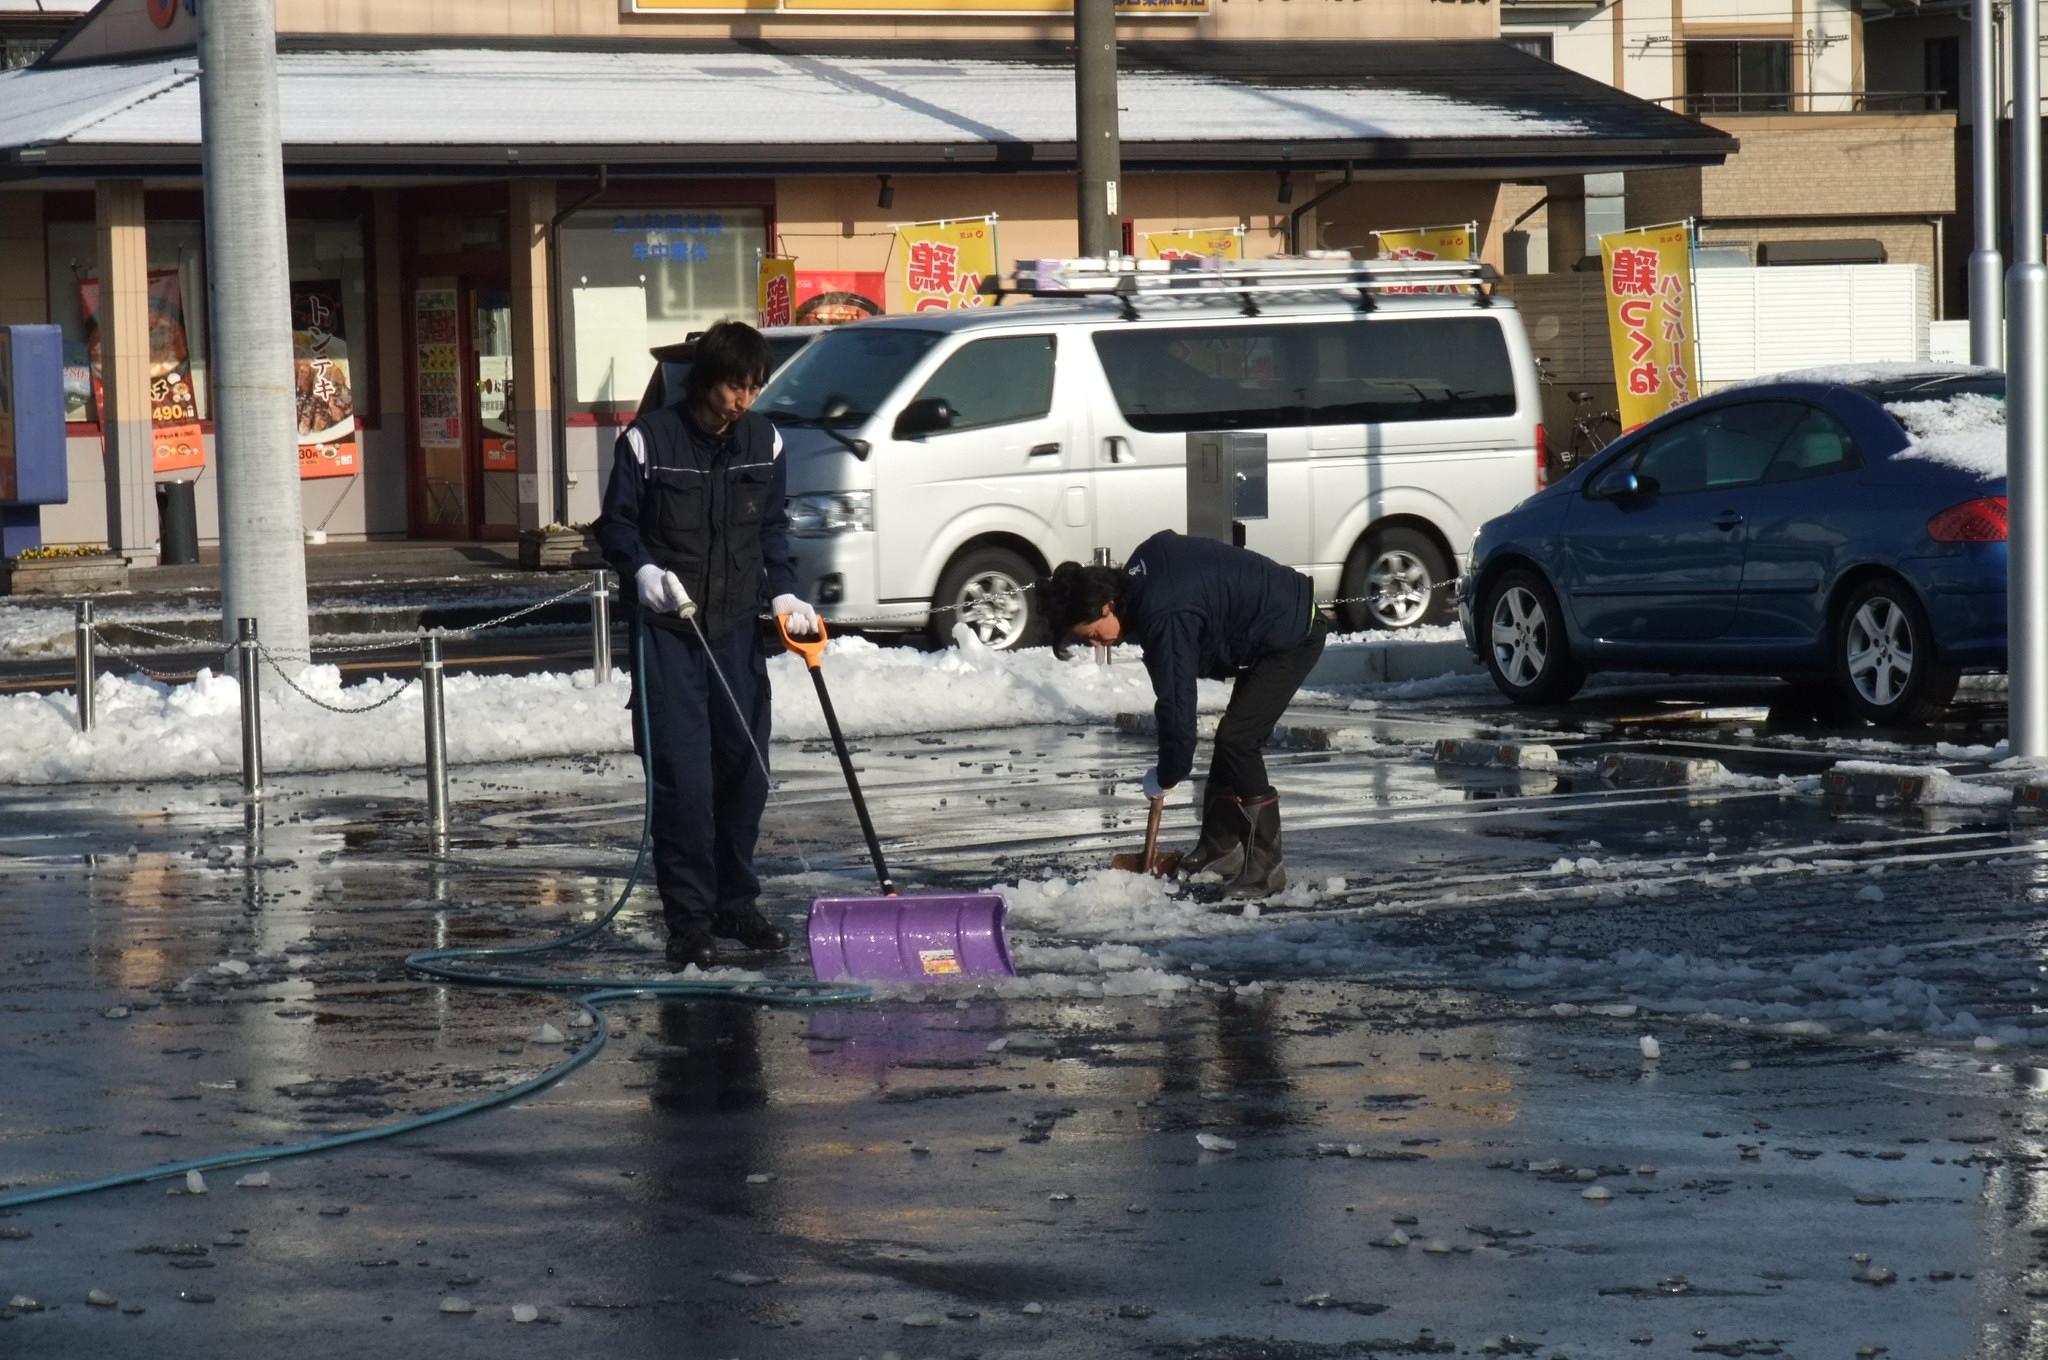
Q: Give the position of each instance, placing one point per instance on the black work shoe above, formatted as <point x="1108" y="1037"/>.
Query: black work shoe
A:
<point x="1221" y="847"/>
<point x="1262" y="874"/>
<point x="688" y="946"/>
<point x="751" y="928"/>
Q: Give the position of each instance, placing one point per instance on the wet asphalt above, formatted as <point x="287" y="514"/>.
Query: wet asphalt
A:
<point x="1420" y="1149"/>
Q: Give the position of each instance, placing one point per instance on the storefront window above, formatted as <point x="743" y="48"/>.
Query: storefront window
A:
<point x="326" y="263"/>
<point x="641" y="278"/>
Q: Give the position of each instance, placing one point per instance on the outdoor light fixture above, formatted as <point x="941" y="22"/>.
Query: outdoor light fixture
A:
<point x="1286" y="194"/>
<point x="887" y="198"/>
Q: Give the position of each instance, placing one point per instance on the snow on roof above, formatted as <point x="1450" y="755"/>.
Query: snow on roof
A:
<point x="532" y="97"/>
<point x="1966" y="431"/>
<point x="1856" y="375"/>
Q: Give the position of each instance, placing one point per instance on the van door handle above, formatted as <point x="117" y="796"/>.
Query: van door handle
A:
<point x="1046" y="451"/>
<point x="1115" y="450"/>
<point x="1728" y="519"/>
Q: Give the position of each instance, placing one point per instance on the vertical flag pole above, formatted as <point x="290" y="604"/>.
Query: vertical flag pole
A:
<point x="2026" y="386"/>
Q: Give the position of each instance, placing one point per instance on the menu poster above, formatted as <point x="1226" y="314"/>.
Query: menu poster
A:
<point x="326" y="398"/>
<point x="176" y="435"/>
<point x="439" y="373"/>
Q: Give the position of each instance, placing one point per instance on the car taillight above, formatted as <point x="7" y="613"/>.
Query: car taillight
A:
<point x="1542" y="457"/>
<point x="1978" y="521"/>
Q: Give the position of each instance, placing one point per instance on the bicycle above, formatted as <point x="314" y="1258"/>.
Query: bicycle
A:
<point x="1592" y="431"/>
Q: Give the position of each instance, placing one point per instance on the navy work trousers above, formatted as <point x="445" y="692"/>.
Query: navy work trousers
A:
<point x="709" y="786"/>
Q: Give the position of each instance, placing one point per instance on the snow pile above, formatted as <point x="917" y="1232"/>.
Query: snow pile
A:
<point x="1942" y="787"/>
<point x="1111" y="905"/>
<point x="1965" y="431"/>
<point x="30" y="631"/>
<point x="148" y="730"/>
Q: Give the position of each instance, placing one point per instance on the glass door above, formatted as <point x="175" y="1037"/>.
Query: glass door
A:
<point x="498" y="452"/>
<point x="440" y="425"/>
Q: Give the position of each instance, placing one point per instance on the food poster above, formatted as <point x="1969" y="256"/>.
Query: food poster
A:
<point x="833" y="297"/>
<point x="1650" y="321"/>
<point x="437" y="370"/>
<point x="775" y="292"/>
<point x="177" y="440"/>
<point x="1459" y="242"/>
<point x="944" y="263"/>
<point x="1215" y="243"/>
<point x="326" y="397"/>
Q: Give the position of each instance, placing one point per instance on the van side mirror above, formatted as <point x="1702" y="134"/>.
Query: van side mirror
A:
<point x="926" y="415"/>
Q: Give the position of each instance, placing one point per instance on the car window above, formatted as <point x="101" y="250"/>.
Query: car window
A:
<point x="859" y="365"/>
<point x="1729" y="446"/>
<point x="1172" y="380"/>
<point x="1816" y="447"/>
<point x="997" y="381"/>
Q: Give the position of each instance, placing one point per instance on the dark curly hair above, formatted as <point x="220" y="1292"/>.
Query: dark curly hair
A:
<point x="730" y="352"/>
<point x="1074" y="595"/>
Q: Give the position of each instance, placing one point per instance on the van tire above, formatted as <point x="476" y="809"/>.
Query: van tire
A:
<point x="973" y="590"/>
<point x="1399" y="578"/>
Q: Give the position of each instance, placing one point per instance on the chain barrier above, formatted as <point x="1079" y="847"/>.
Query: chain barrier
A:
<point x="164" y="677"/>
<point x="195" y="644"/>
<point x="316" y="700"/>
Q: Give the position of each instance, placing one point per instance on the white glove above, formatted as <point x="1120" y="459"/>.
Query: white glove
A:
<point x="1153" y="788"/>
<point x="803" y="620"/>
<point x="661" y="592"/>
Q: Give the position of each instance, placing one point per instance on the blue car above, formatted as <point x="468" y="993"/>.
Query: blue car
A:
<point x="1846" y="531"/>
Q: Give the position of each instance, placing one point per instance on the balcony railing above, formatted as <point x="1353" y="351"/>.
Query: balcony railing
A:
<point x="1838" y="101"/>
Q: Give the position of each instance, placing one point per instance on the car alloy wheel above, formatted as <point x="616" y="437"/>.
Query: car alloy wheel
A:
<point x="1879" y="646"/>
<point x="1519" y="634"/>
<point x="1886" y="665"/>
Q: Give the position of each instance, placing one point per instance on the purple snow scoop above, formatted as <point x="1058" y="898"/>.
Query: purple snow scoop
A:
<point x="891" y="938"/>
<point x="910" y="939"/>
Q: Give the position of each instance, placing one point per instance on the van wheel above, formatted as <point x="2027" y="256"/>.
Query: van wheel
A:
<point x="1522" y="638"/>
<point x="1884" y="657"/>
<point x="1398" y="578"/>
<point x="985" y="588"/>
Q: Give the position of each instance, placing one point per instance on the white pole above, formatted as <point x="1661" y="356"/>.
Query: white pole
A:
<point x="1987" y="268"/>
<point x="2026" y="434"/>
<point x="255" y="410"/>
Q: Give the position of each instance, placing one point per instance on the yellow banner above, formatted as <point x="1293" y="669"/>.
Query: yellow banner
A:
<point x="1123" y="7"/>
<point x="775" y="294"/>
<point x="1431" y="243"/>
<point x="1226" y="242"/>
<point x="1650" y="320"/>
<point x="943" y="263"/>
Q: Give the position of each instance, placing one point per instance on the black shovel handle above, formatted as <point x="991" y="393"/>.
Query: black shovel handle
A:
<point x="860" y="804"/>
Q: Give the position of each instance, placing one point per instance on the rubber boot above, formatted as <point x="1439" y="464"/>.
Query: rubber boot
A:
<point x="1262" y="874"/>
<point x="752" y="929"/>
<point x="689" y="943"/>
<point x="1221" y="847"/>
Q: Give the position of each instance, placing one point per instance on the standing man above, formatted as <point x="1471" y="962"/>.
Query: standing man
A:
<point x="1203" y="608"/>
<point x="695" y="527"/>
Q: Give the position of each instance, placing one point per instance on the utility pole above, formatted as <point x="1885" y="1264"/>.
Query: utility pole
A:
<point x="1987" y="268"/>
<point x="255" y="407"/>
<point x="2026" y="402"/>
<point x="1098" y="153"/>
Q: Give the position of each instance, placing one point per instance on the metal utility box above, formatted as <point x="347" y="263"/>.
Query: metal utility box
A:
<point x="1226" y="484"/>
<point x="32" y="459"/>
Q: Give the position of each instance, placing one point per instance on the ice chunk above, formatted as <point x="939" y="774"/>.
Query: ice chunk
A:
<point x="1652" y="1050"/>
<point x="254" y="1180"/>
<point x="1875" y="1274"/>
<point x="195" y="1184"/>
<point x="1436" y="1246"/>
<point x="335" y="888"/>
<point x="922" y="1320"/>
<point x="743" y="1279"/>
<point x="1596" y="1193"/>
<point x="1213" y="1142"/>
<point x="760" y="1177"/>
<point x="1033" y="1309"/>
<point x="455" y="1303"/>
<point x="1870" y="892"/>
<point x="1984" y="1043"/>
<point x="116" y="1012"/>
<point x="100" y="1298"/>
<point x="525" y="1312"/>
<point x="546" y="1034"/>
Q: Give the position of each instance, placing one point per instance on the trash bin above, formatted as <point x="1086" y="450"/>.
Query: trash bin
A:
<point x="177" y="522"/>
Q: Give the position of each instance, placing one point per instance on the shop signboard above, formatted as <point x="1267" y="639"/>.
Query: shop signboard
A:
<point x="944" y="263"/>
<point x="177" y="440"/>
<point x="831" y="297"/>
<point x="1164" y="8"/>
<point x="1459" y="242"/>
<point x="775" y="291"/>
<point x="326" y="397"/>
<point x="1650" y="319"/>
<point x="1198" y="244"/>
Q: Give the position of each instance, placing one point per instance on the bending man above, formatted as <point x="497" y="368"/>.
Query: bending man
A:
<point x="694" y="525"/>
<point x="1203" y="608"/>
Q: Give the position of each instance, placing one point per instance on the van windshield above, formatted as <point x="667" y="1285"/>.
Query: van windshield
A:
<point x="859" y="365"/>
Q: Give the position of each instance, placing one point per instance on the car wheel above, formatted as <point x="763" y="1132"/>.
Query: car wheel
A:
<point x="1396" y="578"/>
<point x="986" y="589"/>
<point x="1522" y="637"/>
<point x="1884" y="657"/>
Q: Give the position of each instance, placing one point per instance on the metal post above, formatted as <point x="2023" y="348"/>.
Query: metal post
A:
<point x="437" y="736"/>
<point x="1987" y="268"/>
<point x="85" y="665"/>
<point x="1102" y="560"/>
<point x="1098" y="151"/>
<point x="2026" y="384"/>
<point x="600" y="626"/>
<point x="255" y="404"/>
<point x="250" y="667"/>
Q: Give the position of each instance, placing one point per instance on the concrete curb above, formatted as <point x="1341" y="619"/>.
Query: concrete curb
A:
<point x="1379" y="663"/>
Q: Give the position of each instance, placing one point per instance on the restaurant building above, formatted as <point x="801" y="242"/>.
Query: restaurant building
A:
<point x="496" y="207"/>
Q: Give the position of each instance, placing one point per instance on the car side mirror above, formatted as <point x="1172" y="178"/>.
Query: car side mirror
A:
<point x="926" y="415"/>
<point x="1624" y="486"/>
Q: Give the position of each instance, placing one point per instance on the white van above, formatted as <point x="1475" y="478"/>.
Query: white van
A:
<point x="940" y="461"/>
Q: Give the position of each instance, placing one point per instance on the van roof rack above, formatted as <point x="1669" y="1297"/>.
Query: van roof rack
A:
<point x="1130" y="280"/>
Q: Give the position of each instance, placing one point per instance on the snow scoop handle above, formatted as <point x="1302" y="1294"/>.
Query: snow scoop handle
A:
<point x="812" y="650"/>
<point x="1152" y="835"/>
